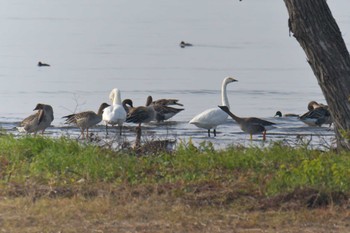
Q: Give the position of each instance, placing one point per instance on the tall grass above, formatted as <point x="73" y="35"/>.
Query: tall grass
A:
<point x="272" y="170"/>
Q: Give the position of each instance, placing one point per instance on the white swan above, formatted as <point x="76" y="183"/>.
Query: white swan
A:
<point x="114" y="114"/>
<point x="211" y="118"/>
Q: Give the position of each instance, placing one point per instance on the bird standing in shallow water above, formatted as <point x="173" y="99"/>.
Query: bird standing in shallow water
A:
<point x="139" y="115"/>
<point x="251" y="125"/>
<point x="142" y="114"/>
<point x="38" y="121"/>
<point x="317" y="115"/>
<point x="87" y="119"/>
<point x="167" y="102"/>
<point x="164" y="111"/>
<point x="114" y="114"/>
<point x="211" y="118"/>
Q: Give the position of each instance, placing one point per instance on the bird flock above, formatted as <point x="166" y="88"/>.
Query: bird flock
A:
<point x="120" y="111"/>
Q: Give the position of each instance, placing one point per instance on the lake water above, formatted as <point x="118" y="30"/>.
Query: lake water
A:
<point x="94" y="46"/>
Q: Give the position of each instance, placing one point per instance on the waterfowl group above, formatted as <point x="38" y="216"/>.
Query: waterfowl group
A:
<point x="142" y="114"/>
<point x="317" y="115"/>
<point x="161" y="110"/>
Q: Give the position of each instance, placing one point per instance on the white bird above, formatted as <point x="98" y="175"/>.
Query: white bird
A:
<point x="114" y="114"/>
<point x="211" y="118"/>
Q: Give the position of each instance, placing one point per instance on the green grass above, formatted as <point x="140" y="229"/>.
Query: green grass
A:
<point x="61" y="185"/>
<point x="274" y="170"/>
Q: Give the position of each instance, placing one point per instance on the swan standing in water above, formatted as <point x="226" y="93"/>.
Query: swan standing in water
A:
<point x="213" y="117"/>
<point x="114" y="114"/>
<point x="87" y="119"/>
<point x="38" y="121"/>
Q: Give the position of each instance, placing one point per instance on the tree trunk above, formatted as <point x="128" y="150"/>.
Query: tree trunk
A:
<point x="317" y="32"/>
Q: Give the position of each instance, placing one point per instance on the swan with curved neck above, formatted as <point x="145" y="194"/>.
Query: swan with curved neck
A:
<point x="114" y="114"/>
<point x="211" y="118"/>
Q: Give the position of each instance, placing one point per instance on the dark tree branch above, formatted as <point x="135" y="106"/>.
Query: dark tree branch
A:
<point x="317" y="32"/>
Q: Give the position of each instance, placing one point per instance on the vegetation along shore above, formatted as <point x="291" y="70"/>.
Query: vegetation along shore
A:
<point x="62" y="185"/>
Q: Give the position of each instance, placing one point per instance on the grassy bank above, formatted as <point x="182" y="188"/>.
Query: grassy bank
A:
<point x="63" y="184"/>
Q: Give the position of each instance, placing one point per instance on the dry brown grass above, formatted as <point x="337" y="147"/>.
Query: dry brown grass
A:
<point x="204" y="207"/>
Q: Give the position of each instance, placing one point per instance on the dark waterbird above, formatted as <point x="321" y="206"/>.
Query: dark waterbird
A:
<point x="183" y="44"/>
<point x="279" y="114"/>
<point x="87" y="119"/>
<point x="38" y="121"/>
<point x="251" y="125"/>
<point x="317" y="115"/>
<point x="42" y="64"/>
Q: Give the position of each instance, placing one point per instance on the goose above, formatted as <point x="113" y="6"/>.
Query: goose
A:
<point x="211" y="118"/>
<point x="183" y="44"/>
<point x="114" y="114"/>
<point x="164" y="111"/>
<point x="279" y="114"/>
<point x="38" y="121"/>
<point x="317" y="115"/>
<point x="142" y="114"/>
<point x="152" y="147"/>
<point x="87" y="119"/>
<point x="167" y="102"/>
<point x="127" y="105"/>
<point x="42" y="64"/>
<point x="251" y="125"/>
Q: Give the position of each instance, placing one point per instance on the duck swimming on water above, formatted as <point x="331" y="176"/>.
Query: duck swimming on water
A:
<point x="42" y="64"/>
<point x="183" y="44"/>
<point x="279" y="114"/>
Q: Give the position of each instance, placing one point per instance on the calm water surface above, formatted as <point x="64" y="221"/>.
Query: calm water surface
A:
<point x="94" y="46"/>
